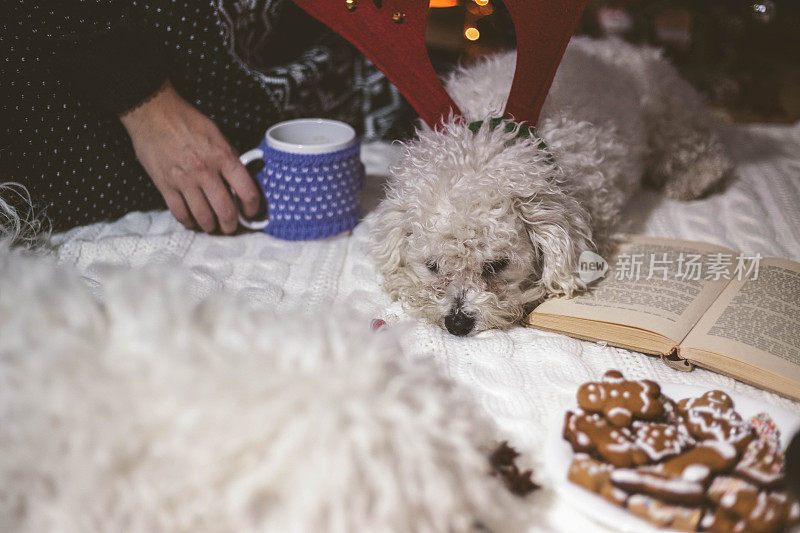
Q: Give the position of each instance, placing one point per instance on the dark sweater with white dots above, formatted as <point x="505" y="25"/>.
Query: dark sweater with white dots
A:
<point x="72" y="66"/>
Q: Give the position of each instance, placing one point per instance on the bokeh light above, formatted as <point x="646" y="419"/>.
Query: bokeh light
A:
<point x="444" y="3"/>
<point x="472" y="33"/>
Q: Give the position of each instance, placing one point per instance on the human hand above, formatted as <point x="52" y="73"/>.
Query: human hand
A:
<point x="189" y="160"/>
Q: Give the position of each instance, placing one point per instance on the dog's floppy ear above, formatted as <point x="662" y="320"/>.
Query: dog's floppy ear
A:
<point x="388" y="237"/>
<point x="559" y="229"/>
<point x="388" y="242"/>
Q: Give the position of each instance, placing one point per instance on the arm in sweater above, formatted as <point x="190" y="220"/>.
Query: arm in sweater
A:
<point x="116" y="64"/>
<point x="110" y="59"/>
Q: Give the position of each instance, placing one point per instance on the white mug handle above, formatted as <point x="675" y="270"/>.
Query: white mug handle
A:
<point x="247" y="158"/>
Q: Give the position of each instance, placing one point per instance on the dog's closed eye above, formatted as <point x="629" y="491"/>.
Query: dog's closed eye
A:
<point x="495" y="267"/>
<point x="433" y="266"/>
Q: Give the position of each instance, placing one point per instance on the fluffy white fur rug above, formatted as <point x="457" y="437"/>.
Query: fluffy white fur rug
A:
<point x="147" y="412"/>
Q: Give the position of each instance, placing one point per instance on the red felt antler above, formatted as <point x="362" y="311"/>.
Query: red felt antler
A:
<point x="543" y="28"/>
<point x="391" y="33"/>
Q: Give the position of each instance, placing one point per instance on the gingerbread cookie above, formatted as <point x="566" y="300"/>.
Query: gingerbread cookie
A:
<point x="758" y="510"/>
<point x="595" y="476"/>
<point x="718" y="456"/>
<point x="665" y="515"/>
<point x="734" y="496"/>
<point x="672" y="414"/>
<point x="588" y="472"/>
<point x="771" y="513"/>
<point x="622" y="401"/>
<point x="712" y="417"/>
<point x="694" y="465"/>
<point x="655" y="482"/>
<point x="762" y="463"/>
<point x="720" y="521"/>
<point x="613" y="494"/>
<point x="591" y="433"/>
<point x="660" y="441"/>
<point x="681" y="479"/>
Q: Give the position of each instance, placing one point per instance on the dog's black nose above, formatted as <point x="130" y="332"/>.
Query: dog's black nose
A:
<point x="459" y="323"/>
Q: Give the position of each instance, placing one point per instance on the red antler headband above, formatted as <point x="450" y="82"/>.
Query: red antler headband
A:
<point x="391" y="33"/>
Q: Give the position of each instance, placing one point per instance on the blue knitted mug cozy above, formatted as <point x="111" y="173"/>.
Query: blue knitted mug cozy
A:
<point x="311" y="196"/>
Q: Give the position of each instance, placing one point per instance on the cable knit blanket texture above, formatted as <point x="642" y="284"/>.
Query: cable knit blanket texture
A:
<point x="521" y="376"/>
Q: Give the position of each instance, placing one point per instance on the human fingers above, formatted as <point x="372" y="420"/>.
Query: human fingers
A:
<point x="200" y="208"/>
<point x="221" y="202"/>
<point x="242" y="184"/>
<point x="177" y="206"/>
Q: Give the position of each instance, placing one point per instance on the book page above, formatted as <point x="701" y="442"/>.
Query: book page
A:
<point x="756" y="320"/>
<point x="659" y="285"/>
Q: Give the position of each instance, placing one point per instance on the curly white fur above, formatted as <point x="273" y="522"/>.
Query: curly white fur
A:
<point x="147" y="413"/>
<point x="476" y="228"/>
<point x="20" y="224"/>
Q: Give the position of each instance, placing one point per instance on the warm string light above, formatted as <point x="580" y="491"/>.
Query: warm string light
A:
<point x="444" y="3"/>
<point x="472" y="33"/>
<point x="480" y="9"/>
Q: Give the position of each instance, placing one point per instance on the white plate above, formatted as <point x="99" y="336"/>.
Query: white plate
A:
<point x="559" y="454"/>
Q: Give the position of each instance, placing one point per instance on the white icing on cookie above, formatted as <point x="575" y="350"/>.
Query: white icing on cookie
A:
<point x="696" y="472"/>
<point x="630" y="477"/>
<point x="728" y="500"/>
<point x="726" y="450"/>
<point x="644" y="397"/>
<point x="614" y="411"/>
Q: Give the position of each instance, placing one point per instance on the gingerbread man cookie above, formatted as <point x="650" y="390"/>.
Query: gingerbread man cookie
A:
<point x="712" y="417"/>
<point x="671" y="413"/>
<point x="682" y="479"/>
<point x="655" y="482"/>
<point x="622" y="401"/>
<point x="588" y="472"/>
<point x="664" y="515"/>
<point x="694" y="465"/>
<point x="772" y="513"/>
<point x="591" y="433"/>
<point x="613" y="494"/>
<point x="718" y="520"/>
<point x="758" y="511"/>
<point x="660" y="441"/>
<point x="595" y="476"/>
<point x="718" y="456"/>
<point x="734" y="496"/>
<point x="762" y="463"/>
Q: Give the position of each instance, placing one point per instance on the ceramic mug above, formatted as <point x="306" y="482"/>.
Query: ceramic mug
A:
<point x="311" y="180"/>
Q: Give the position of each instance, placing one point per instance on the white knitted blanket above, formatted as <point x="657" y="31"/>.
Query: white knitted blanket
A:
<point x="521" y="376"/>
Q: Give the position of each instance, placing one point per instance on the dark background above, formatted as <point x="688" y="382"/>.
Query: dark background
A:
<point x="743" y="56"/>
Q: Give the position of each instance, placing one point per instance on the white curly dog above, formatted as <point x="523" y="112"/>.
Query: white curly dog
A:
<point x="476" y="228"/>
<point x="149" y="412"/>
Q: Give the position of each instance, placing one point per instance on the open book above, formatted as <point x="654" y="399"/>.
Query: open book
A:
<point x="725" y="311"/>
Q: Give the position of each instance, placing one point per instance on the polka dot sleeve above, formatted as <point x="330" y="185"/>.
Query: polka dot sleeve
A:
<point x="103" y="53"/>
<point x="115" y="68"/>
<point x="64" y="143"/>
